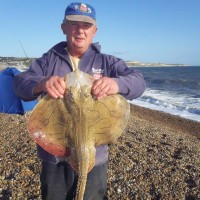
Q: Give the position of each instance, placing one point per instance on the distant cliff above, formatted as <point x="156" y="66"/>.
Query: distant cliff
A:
<point x="23" y="63"/>
<point x="14" y="62"/>
<point x="142" y="64"/>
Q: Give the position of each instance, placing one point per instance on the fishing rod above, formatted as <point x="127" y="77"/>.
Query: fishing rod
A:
<point x="23" y="49"/>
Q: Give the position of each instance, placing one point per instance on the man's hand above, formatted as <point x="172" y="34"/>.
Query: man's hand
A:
<point x="54" y="86"/>
<point x="104" y="86"/>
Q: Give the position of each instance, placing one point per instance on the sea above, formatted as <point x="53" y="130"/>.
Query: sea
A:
<point x="174" y="90"/>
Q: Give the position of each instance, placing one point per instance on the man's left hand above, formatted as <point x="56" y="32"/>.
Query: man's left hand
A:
<point x="104" y="86"/>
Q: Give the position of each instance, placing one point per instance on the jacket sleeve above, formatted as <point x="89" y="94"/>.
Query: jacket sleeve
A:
<point x="130" y="81"/>
<point x="25" y="82"/>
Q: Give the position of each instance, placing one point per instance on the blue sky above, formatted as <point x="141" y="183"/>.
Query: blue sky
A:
<point x="166" y="31"/>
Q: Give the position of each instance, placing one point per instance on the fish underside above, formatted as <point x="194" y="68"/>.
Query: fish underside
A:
<point x="74" y="125"/>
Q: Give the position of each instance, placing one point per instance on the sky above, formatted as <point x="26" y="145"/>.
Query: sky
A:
<point x="165" y="31"/>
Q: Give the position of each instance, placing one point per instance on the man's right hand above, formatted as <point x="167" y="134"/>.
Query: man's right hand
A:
<point x="54" y="86"/>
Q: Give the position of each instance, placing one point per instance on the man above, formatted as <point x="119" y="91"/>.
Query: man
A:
<point x="45" y="75"/>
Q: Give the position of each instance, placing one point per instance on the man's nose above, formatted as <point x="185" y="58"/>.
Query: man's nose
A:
<point x="80" y="28"/>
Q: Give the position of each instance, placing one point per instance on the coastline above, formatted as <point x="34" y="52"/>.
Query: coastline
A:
<point x="157" y="157"/>
<point x="23" y="63"/>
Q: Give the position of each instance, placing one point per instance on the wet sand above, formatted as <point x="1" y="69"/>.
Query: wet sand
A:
<point x="157" y="157"/>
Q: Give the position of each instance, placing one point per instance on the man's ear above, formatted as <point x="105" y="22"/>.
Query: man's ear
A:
<point x="63" y="27"/>
<point x="94" y="31"/>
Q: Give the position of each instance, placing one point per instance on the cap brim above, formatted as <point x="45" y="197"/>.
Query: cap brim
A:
<point x="81" y="18"/>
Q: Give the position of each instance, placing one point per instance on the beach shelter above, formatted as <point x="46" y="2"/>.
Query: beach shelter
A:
<point x="9" y="102"/>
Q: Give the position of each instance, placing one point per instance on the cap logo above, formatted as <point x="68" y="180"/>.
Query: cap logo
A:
<point x="80" y="12"/>
<point x="83" y="8"/>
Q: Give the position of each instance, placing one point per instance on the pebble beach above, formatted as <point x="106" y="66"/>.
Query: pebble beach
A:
<point x="157" y="157"/>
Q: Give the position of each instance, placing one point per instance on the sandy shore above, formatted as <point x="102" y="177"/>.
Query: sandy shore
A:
<point x="157" y="157"/>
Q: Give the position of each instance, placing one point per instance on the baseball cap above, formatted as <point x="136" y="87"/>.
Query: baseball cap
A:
<point x="80" y="12"/>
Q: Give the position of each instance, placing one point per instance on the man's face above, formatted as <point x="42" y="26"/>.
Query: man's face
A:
<point x="79" y="35"/>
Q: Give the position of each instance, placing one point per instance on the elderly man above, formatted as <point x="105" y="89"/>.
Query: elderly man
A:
<point x="45" y="75"/>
